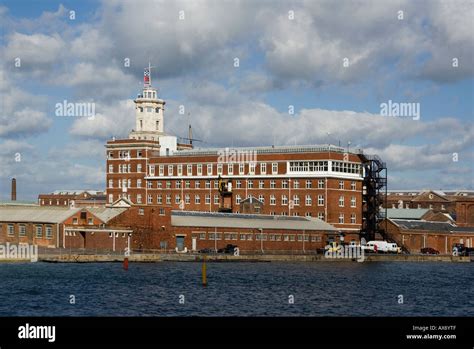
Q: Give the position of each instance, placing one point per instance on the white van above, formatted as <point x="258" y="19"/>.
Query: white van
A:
<point x="382" y="246"/>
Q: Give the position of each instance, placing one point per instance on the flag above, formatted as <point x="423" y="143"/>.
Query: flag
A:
<point x="146" y="76"/>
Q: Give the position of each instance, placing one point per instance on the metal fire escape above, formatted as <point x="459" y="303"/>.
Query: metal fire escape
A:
<point x="374" y="184"/>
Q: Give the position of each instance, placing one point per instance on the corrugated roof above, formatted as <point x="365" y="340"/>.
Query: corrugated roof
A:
<point x="406" y="224"/>
<point x="38" y="214"/>
<point x="105" y="213"/>
<point x="406" y="213"/>
<point x="233" y="220"/>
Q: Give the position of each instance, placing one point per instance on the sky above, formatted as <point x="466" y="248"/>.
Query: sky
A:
<point x="247" y="73"/>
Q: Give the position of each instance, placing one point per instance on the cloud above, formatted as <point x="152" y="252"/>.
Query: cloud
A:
<point x="115" y="120"/>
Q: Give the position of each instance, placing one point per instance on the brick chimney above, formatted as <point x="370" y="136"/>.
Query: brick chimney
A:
<point x="13" y="189"/>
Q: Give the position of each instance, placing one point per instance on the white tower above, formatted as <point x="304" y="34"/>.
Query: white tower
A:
<point x="149" y="117"/>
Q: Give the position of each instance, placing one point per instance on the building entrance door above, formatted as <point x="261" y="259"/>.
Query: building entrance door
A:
<point x="180" y="243"/>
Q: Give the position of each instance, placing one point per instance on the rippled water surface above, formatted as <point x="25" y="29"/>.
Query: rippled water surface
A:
<point x="238" y="289"/>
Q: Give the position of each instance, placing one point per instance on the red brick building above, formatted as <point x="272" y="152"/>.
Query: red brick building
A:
<point x="73" y="198"/>
<point x="151" y="169"/>
<point x="417" y="234"/>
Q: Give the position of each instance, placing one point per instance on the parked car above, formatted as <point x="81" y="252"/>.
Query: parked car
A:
<point x="378" y="246"/>
<point x="206" y="250"/>
<point x="429" y="250"/>
<point x="228" y="249"/>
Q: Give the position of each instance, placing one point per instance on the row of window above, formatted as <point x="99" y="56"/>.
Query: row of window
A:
<point x="408" y="206"/>
<point x="296" y="200"/>
<point x="257" y="237"/>
<point x="346" y="167"/>
<point x="308" y="166"/>
<point x="125" y="154"/>
<point x="242" y="169"/>
<point x="22" y="231"/>
<point x="127" y="183"/>
<point x="125" y="168"/>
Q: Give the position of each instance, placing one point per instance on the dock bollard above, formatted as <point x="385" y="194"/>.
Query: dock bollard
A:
<point x="204" y="276"/>
<point x="125" y="263"/>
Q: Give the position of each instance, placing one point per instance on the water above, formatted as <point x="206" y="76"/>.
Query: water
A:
<point x="238" y="289"/>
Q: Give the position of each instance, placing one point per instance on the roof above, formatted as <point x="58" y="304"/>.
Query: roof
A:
<point x="406" y="224"/>
<point x="76" y="192"/>
<point x="18" y="203"/>
<point x="39" y="214"/>
<point x="268" y="150"/>
<point x="251" y="199"/>
<point x="406" y="213"/>
<point x="105" y="214"/>
<point x="256" y="221"/>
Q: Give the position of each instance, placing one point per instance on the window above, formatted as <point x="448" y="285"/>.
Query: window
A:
<point x="216" y="184"/>
<point x="284" y="200"/>
<point x="230" y="169"/>
<point x="39" y="231"/>
<point x="292" y="238"/>
<point x="139" y="183"/>
<point x="263" y="168"/>
<point x="353" y="201"/>
<point x="341" y="218"/>
<point x="261" y="184"/>
<point x="296" y="184"/>
<point x="139" y="198"/>
<point x="274" y="168"/>
<point x="208" y="184"/>
<point x="189" y="169"/>
<point x="309" y="184"/>
<point x="272" y="200"/>
<point x="187" y="199"/>
<point x="90" y="221"/>
<point x="161" y="170"/>
<point x="74" y="221"/>
<point x="149" y="184"/>
<point x="296" y="200"/>
<point x="170" y="170"/>
<point x="197" y="199"/>
<point x="252" y="167"/>
<point x="261" y="198"/>
<point x="353" y="185"/>
<point x="308" y="214"/>
<point x="141" y="211"/>
<point x="22" y="230"/>
<point x="199" y="169"/>
<point x="202" y="236"/>
<point x="216" y="199"/>
<point x="238" y="199"/>
<point x="320" y="200"/>
<point x="168" y="184"/>
<point x="341" y="201"/>
<point x="341" y="184"/>
<point x="208" y="199"/>
<point x="139" y="153"/>
<point x="159" y="199"/>
<point x="284" y="184"/>
<point x="250" y="184"/>
<point x="111" y="198"/>
<point x="241" y="169"/>
<point x="139" y="167"/>
<point x="219" y="169"/>
<point x="321" y="184"/>
<point x="161" y="212"/>
<point x="209" y="169"/>
<point x="180" y="170"/>
<point x="11" y="230"/>
<point x="238" y="184"/>
<point x="49" y="232"/>
<point x="159" y="185"/>
<point x="187" y="184"/>
<point x="321" y="216"/>
<point x="111" y="168"/>
<point x="168" y="199"/>
<point x="197" y="184"/>
<point x="353" y="218"/>
<point x="308" y="200"/>
<point x="111" y="183"/>
<point x="150" y="199"/>
<point x="272" y="184"/>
